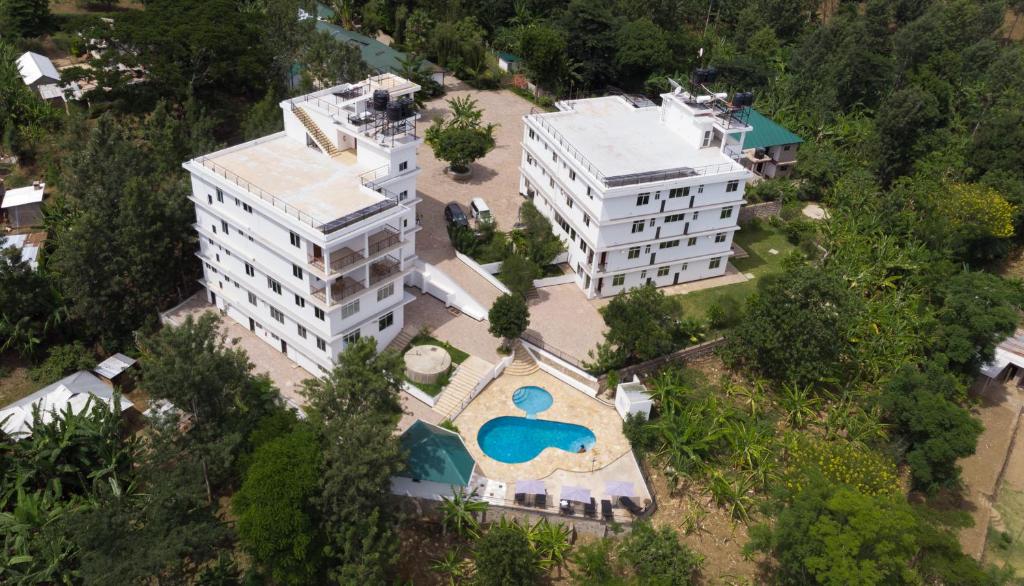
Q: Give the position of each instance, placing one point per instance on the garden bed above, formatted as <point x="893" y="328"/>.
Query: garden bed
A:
<point x="457" y="356"/>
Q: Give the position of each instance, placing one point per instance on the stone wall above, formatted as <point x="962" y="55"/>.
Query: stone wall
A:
<point x="759" y="210"/>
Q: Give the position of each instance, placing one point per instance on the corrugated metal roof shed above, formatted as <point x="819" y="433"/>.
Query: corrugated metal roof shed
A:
<point x="767" y="133"/>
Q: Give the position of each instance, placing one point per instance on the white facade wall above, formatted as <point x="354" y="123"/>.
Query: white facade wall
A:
<point x="258" y="261"/>
<point x="665" y="232"/>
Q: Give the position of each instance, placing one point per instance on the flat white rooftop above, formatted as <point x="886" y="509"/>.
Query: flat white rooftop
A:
<point x="619" y="139"/>
<point x="320" y="186"/>
<point x="23" y="196"/>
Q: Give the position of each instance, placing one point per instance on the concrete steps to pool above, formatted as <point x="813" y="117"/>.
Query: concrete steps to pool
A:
<point x="402" y="339"/>
<point x="522" y="363"/>
<point x="461" y="385"/>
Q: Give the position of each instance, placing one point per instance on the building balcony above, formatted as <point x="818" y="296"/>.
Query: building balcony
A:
<point x="341" y="289"/>
<point x="383" y="269"/>
<point x="344" y="259"/>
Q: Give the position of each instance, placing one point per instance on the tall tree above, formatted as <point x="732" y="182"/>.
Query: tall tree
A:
<point x="330" y="61"/>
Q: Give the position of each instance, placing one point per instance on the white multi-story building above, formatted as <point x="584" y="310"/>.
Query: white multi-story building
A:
<point x="307" y="235"/>
<point x="639" y="194"/>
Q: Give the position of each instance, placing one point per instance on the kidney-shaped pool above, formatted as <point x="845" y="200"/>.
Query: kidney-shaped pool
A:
<point x="514" y="440"/>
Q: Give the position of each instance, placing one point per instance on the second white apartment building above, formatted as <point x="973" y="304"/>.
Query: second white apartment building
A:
<point x="647" y="194"/>
<point x="306" y="235"/>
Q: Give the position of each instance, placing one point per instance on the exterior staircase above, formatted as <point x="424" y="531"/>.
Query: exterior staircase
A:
<point x="402" y="340"/>
<point x="532" y="294"/>
<point x="314" y="131"/>
<point x="461" y="385"/>
<point x="522" y="363"/>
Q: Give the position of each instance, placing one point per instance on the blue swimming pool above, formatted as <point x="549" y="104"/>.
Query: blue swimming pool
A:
<point x="532" y="399"/>
<point x="515" y="440"/>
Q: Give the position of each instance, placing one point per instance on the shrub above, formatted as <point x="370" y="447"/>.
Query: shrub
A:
<point x="656" y="556"/>
<point x="504" y="556"/>
<point x="724" y="313"/>
<point x="799" y="230"/>
<point x="518" y="273"/>
<point x="642" y="436"/>
<point x="783" y="190"/>
<point x="61" y="361"/>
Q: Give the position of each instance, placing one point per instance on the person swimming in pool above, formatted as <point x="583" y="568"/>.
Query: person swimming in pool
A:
<point x="582" y="449"/>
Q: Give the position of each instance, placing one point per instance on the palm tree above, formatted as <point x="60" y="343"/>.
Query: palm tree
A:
<point x="551" y="542"/>
<point x="460" y="513"/>
<point x="799" y="404"/>
<point x="453" y="565"/>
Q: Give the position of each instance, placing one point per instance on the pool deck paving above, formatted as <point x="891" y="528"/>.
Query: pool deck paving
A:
<point x="611" y="458"/>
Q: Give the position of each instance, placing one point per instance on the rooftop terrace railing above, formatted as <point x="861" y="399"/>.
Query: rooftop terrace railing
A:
<point x="632" y="179"/>
<point x="325" y="226"/>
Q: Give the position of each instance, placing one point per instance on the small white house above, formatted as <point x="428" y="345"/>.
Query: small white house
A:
<point x="37" y="70"/>
<point x="78" y="392"/>
<point x="508" y="62"/>
<point x="632" y="398"/>
<point x="22" y="206"/>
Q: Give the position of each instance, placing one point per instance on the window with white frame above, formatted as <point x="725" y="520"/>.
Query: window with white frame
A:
<point x="678" y="192"/>
<point x="385" y="291"/>
<point x="634" y="252"/>
<point x="638" y="226"/>
<point x="720" y="237"/>
<point x="299" y="301"/>
<point x="351" y="337"/>
<point x="321" y="344"/>
<point x="294" y="239"/>
<point x="662" y="271"/>
<point x="715" y="263"/>
<point x="220" y="196"/>
<point x="252" y="298"/>
<point x="572" y="175"/>
<point x="583" y="246"/>
<point x="403" y="165"/>
<point x="224" y="227"/>
<point x="643" y="199"/>
<point x="732" y="186"/>
<point x="707" y="139"/>
<point x="668" y="244"/>
<point x="586" y="220"/>
<point x="274" y="285"/>
<point x="618" y="280"/>
<point x="350" y="309"/>
<point x="319" y="313"/>
<point x="726" y="213"/>
<point x="249" y="270"/>
<point x="675" y="218"/>
<point x="692" y="241"/>
<point x="386" y="321"/>
<point x="302" y="330"/>
<point x="297" y="271"/>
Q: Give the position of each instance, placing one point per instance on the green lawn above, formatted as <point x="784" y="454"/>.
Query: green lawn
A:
<point x="458" y="356"/>
<point x="757" y="240"/>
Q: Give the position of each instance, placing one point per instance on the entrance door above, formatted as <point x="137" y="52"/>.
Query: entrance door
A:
<point x="284" y="347"/>
<point x="675" y="280"/>
<point x="318" y="254"/>
<point x="213" y="298"/>
<point x="653" y="254"/>
<point x="252" y="325"/>
<point x="600" y="281"/>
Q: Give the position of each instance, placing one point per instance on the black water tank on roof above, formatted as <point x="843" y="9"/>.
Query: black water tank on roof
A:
<point x="408" y="106"/>
<point x="381" y="98"/>
<point x="394" y="111"/>
<point x="711" y="75"/>
<point x="759" y="153"/>
<point x="700" y="75"/>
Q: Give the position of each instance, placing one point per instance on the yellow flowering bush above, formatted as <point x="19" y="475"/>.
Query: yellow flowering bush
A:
<point x="979" y="210"/>
<point x="840" y="462"/>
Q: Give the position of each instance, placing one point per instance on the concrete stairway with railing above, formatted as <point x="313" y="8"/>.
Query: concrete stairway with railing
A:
<point x="522" y="363"/>
<point x="461" y="385"/>
<point x="318" y="135"/>
<point x="402" y="340"/>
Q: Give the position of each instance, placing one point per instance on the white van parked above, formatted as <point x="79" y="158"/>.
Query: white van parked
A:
<point x="478" y="210"/>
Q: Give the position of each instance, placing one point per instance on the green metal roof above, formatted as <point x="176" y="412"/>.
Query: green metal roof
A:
<point x="509" y="57"/>
<point x="436" y="455"/>
<point x="766" y="132"/>
<point x="377" y="55"/>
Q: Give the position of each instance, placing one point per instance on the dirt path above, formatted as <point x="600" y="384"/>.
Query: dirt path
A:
<point x="999" y="411"/>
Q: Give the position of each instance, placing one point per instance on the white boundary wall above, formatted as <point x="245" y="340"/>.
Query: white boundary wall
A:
<point x="480" y="270"/>
<point x="419" y="395"/>
<point x="552" y="281"/>
<point x="571" y="381"/>
<point x="433" y="281"/>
